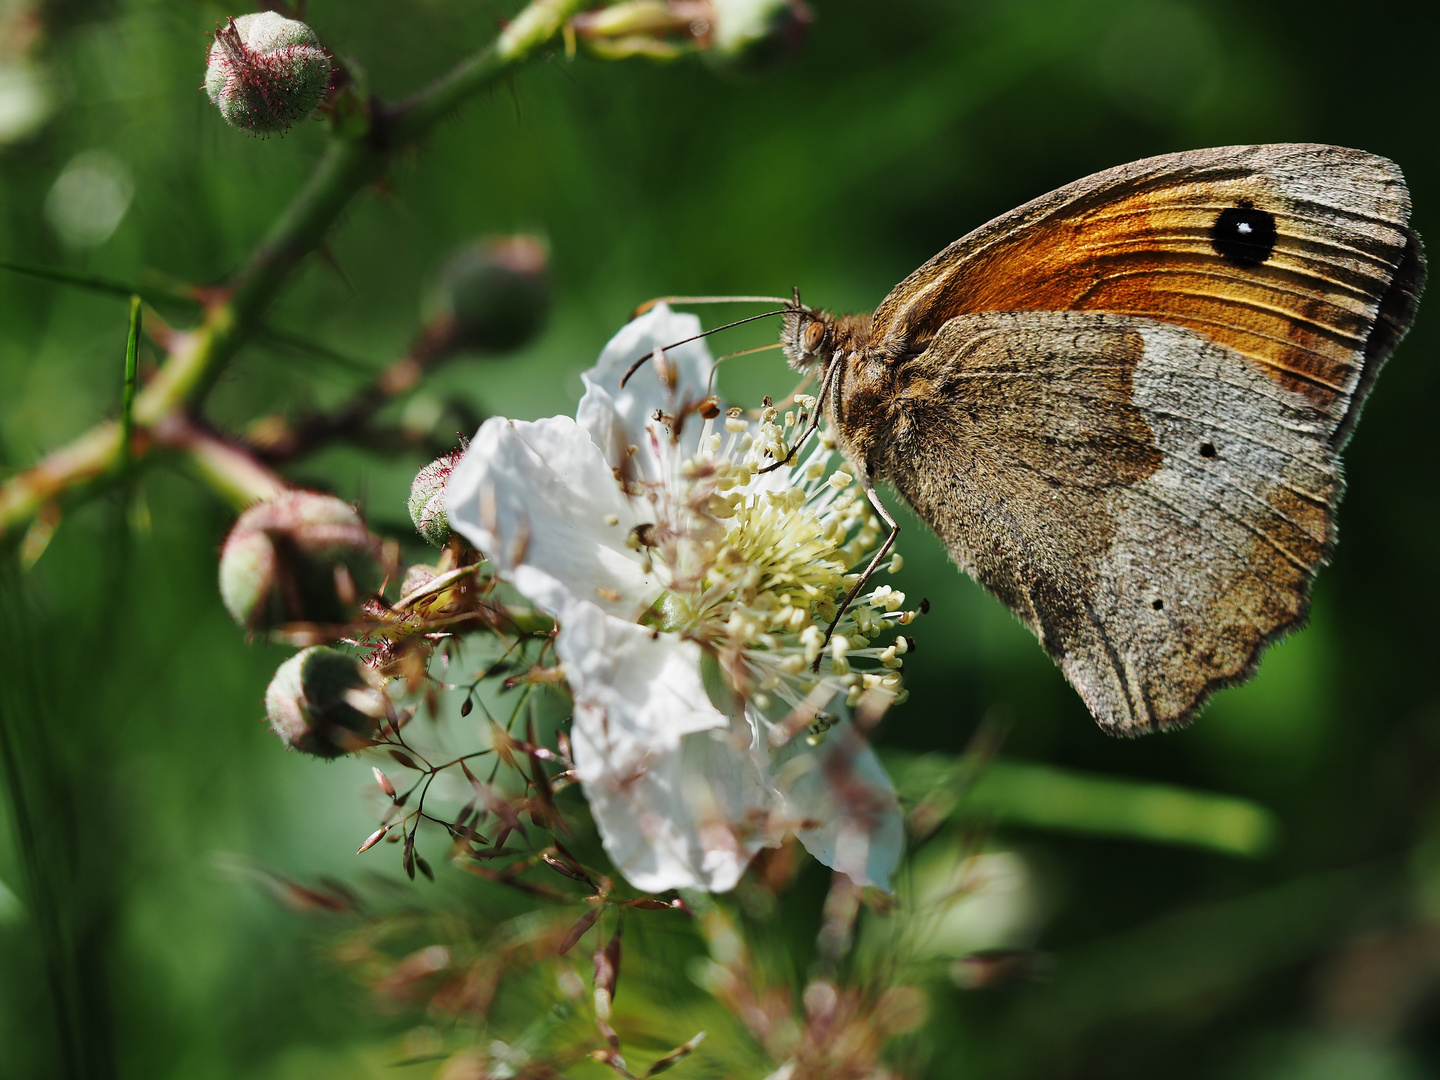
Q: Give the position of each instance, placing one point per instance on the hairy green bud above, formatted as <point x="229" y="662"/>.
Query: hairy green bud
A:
<point x="299" y="557"/>
<point x="427" y="499"/>
<point x="498" y="292"/>
<point x="265" y="72"/>
<point x="325" y="702"/>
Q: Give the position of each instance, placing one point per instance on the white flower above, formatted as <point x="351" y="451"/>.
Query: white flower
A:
<point x="691" y="593"/>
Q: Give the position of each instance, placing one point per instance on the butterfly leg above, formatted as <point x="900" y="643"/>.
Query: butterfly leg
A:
<point x="889" y="542"/>
<point x="795" y="447"/>
<point x="826" y="380"/>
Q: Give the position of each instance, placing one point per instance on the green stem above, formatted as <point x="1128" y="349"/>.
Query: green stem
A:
<point x="127" y="404"/>
<point x="528" y="31"/>
<point x="230" y="471"/>
<point x="347" y="168"/>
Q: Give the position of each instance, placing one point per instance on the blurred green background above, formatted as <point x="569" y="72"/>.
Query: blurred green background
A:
<point x="135" y="703"/>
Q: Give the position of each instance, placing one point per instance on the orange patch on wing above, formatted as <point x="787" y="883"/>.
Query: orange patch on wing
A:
<point x="1302" y="314"/>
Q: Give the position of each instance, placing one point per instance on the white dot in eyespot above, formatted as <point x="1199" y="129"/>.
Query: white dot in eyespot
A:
<point x="1243" y="228"/>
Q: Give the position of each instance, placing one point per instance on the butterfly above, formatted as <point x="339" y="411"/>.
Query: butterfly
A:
<point x="1122" y="405"/>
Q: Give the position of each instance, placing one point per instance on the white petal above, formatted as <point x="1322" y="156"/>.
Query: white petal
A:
<point x="841" y="785"/>
<point x="535" y="498"/>
<point x="645" y="687"/>
<point x="616" y="418"/>
<point x="689" y="818"/>
<point x="679" y="798"/>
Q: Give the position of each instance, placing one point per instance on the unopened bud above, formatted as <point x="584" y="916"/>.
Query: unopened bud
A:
<point x="498" y="292"/>
<point x="265" y="71"/>
<point x="298" y="557"/>
<point x="311" y="703"/>
<point x="427" y="500"/>
<point x="384" y="781"/>
<point x="752" y="37"/>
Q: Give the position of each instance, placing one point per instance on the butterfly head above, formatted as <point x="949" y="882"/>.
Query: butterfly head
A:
<point x="808" y="335"/>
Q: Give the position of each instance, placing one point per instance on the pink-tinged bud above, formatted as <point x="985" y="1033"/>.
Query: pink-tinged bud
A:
<point x="427" y="501"/>
<point x="384" y="781"/>
<point x="498" y="292"/>
<point x="299" y="557"/>
<point x="325" y="702"/>
<point x="265" y="72"/>
<point x="752" y="37"/>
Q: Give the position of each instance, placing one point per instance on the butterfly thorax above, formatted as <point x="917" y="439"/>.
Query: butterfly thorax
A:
<point x="856" y="384"/>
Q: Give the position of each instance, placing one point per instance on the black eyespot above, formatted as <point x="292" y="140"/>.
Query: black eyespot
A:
<point x="1244" y="235"/>
<point x="1207" y="449"/>
<point x="1158" y="605"/>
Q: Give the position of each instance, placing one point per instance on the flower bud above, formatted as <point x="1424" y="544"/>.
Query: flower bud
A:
<point x="324" y="702"/>
<point x="427" y="499"/>
<point x="265" y="71"/>
<point x="299" y="557"/>
<point x="752" y="37"/>
<point x="498" y="292"/>
<point x="417" y="577"/>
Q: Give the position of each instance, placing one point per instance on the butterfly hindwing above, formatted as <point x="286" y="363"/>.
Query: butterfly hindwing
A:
<point x="1153" y="509"/>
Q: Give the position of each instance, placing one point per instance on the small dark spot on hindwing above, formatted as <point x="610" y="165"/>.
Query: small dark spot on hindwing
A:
<point x="1243" y="234"/>
<point x="1207" y="449"/>
<point x="1158" y="605"/>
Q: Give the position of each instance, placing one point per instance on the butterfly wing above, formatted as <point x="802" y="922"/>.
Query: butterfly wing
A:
<point x="1297" y="258"/>
<point x="1153" y="508"/>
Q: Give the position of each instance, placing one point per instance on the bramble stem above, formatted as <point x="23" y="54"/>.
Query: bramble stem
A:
<point x="233" y="314"/>
<point x="226" y="468"/>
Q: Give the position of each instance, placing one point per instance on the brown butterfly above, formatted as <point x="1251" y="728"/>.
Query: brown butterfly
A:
<point x="1121" y="406"/>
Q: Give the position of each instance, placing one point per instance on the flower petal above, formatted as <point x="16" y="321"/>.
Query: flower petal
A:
<point x="535" y="498"/>
<point x="688" y="818"/>
<point x="678" y="797"/>
<point x="617" y="418"/>
<point x="842" y="785"/>
<point x="645" y="687"/>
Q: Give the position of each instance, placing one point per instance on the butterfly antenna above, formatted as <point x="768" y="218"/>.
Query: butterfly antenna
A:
<point x="685" y="341"/>
<point x="648" y="304"/>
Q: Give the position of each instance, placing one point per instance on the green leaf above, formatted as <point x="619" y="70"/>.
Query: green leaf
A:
<point x="127" y="404"/>
<point x="1045" y="797"/>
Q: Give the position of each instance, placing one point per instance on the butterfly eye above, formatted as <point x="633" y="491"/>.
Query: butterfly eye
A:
<point x="814" y="334"/>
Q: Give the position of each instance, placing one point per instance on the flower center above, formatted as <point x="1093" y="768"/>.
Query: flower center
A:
<point x="757" y="562"/>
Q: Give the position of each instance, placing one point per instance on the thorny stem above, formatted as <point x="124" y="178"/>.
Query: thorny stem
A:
<point x="232" y="315"/>
<point x="229" y="470"/>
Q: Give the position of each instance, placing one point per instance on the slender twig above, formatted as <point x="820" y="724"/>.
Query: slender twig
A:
<point x="233" y="314"/>
<point x="276" y="440"/>
<point x="152" y="291"/>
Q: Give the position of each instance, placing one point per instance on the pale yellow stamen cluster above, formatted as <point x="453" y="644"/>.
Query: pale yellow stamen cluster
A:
<point x="756" y="564"/>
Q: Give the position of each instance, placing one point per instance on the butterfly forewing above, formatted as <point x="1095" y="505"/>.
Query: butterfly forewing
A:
<point x="1283" y="254"/>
